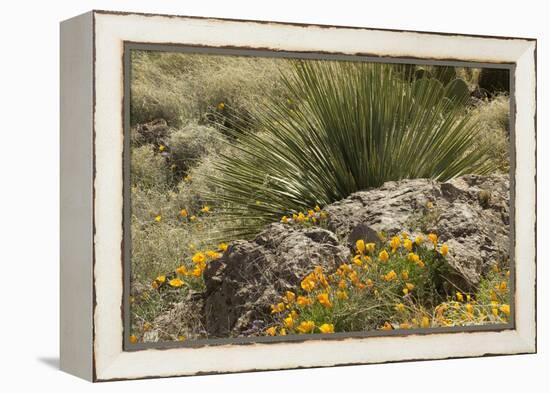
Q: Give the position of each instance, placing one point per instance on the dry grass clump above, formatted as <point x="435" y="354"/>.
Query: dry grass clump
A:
<point x="148" y="168"/>
<point x="187" y="145"/>
<point x="182" y="86"/>
<point x="493" y="117"/>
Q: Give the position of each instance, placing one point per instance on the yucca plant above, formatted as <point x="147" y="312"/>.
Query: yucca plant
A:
<point x="346" y="126"/>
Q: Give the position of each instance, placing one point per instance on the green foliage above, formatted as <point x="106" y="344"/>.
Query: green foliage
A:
<point x="346" y="127"/>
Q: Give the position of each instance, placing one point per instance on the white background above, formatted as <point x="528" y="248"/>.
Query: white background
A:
<point x="29" y="197"/>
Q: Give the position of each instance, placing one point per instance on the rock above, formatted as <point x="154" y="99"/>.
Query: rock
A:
<point x="469" y="213"/>
<point x="151" y="132"/>
<point x="251" y="275"/>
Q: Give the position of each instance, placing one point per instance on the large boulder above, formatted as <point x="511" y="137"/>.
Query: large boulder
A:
<point x="469" y="213"/>
<point x="251" y="275"/>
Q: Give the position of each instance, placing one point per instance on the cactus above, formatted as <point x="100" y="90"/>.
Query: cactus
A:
<point x="457" y="90"/>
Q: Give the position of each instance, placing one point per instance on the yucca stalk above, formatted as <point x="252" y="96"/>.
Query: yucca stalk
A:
<point x="347" y="126"/>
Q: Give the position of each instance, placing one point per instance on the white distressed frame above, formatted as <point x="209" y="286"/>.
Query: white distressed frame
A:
<point x="111" y="30"/>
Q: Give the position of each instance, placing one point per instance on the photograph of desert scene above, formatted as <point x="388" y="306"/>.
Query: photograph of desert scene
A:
<point x="275" y="196"/>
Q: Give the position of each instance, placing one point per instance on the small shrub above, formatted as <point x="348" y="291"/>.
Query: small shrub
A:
<point x="148" y="167"/>
<point x="493" y="119"/>
<point x="189" y="144"/>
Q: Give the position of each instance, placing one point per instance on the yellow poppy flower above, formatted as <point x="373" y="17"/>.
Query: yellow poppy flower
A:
<point x="408" y="244"/>
<point x="271" y="331"/>
<point x="223" y="247"/>
<point x="284" y="220"/>
<point x="290" y="297"/>
<point x="433" y="238"/>
<point x="221" y="106"/>
<point x="182" y="270"/>
<point x="199" y="257"/>
<point x="323" y="298"/>
<point x="133" y="339"/>
<point x="370" y="247"/>
<point x="342" y="295"/>
<point x="205" y="209"/>
<point x="505" y="308"/>
<point x="176" y="283"/>
<point x="395" y="243"/>
<point x="288" y="322"/>
<point x="459" y="297"/>
<point x="308" y="284"/>
<point x="161" y="279"/>
<point x="444" y="249"/>
<point x="425" y="322"/>
<point x="303" y="301"/>
<point x="360" y="246"/>
<point x="306" y="327"/>
<point x="158" y="218"/>
<point x="184" y="213"/>
<point x="193" y="218"/>
<point x="277" y="308"/>
<point x="213" y="254"/>
<point x="384" y="256"/>
<point x="326" y="328"/>
<point x="317" y="208"/>
<point x="387" y="326"/>
<point x="418" y="240"/>
<point x="405" y="274"/>
<point x="390" y="276"/>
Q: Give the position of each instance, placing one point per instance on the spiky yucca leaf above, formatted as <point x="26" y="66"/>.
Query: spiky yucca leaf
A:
<point x="346" y="127"/>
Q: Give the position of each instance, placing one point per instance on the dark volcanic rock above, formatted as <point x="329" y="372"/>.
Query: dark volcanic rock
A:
<point x="252" y="274"/>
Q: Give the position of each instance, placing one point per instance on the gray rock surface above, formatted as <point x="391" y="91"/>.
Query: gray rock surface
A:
<point x="251" y="275"/>
<point x="470" y="214"/>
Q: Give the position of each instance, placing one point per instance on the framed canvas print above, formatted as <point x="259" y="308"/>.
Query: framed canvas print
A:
<point x="245" y="195"/>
